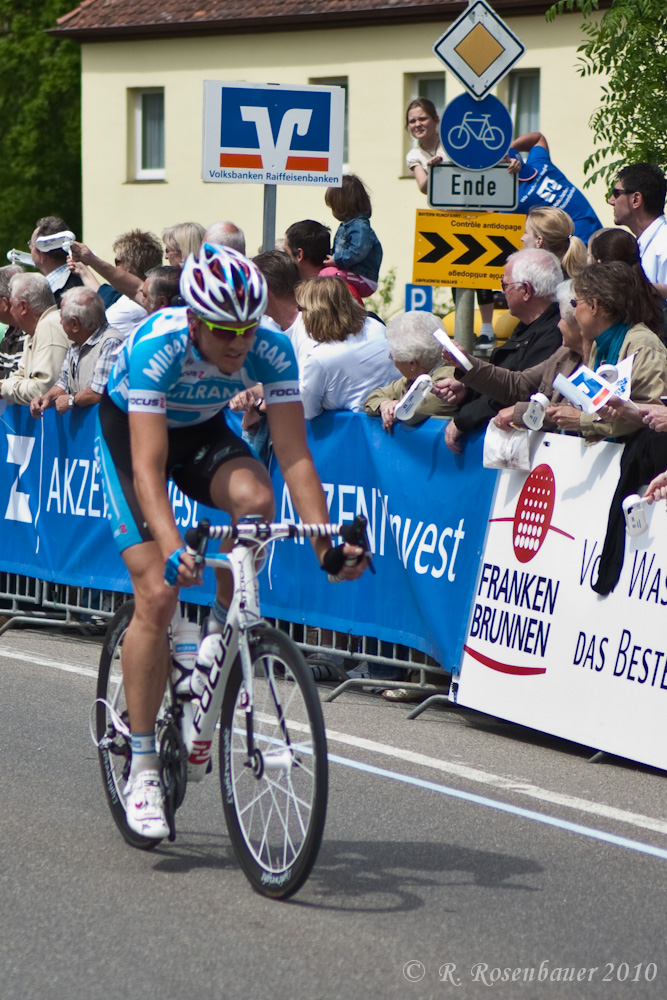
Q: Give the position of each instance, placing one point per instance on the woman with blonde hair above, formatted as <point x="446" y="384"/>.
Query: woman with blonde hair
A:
<point x="349" y="355"/>
<point x="552" y="229"/>
<point x="181" y="240"/>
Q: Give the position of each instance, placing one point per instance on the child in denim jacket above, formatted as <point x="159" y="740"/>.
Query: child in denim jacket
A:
<point x="357" y="253"/>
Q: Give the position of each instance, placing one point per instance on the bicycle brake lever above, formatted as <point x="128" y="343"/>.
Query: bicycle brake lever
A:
<point x="356" y="534"/>
<point x="195" y="541"/>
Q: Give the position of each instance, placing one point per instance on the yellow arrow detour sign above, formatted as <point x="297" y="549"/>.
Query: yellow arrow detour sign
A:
<point x="464" y="249"/>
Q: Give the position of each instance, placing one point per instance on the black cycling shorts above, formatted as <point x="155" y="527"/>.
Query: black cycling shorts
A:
<point x="195" y="454"/>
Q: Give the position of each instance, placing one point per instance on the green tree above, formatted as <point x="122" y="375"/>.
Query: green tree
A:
<point x="40" y="112"/>
<point x="628" y="45"/>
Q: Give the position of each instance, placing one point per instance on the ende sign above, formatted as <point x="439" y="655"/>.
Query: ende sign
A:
<point x="449" y="186"/>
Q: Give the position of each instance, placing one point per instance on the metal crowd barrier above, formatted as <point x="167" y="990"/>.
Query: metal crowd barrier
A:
<point x="28" y="601"/>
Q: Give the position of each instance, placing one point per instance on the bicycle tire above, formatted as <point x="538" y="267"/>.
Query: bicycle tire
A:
<point x="113" y="747"/>
<point x="486" y="137"/>
<point x="275" y="823"/>
<point x="462" y="133"/>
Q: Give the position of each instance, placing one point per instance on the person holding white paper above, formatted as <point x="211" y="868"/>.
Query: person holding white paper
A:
<point x="415" y="352"/>
<point x="530" y="280"/>
<point x="516" y="387"/>
<point x="608" y="308"/>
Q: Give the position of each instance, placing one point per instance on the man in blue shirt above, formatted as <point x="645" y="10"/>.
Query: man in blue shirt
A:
<point x="542" y="183"/>
<point x="162" y="416"/>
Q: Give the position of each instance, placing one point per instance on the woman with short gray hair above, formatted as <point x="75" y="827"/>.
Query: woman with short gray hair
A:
<point x="414" y="351"/>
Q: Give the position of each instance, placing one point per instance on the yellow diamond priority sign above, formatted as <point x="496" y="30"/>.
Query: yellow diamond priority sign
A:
<point x="464" y="249"/>
<point x="479" y="48"/>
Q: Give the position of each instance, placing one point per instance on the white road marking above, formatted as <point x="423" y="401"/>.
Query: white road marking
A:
<point x="462" y="771"/>
<point x="43" y="661"/>
<point x="498" y="781"/>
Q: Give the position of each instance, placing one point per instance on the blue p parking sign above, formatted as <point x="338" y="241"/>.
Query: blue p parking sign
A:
<point x="418" y="298"/>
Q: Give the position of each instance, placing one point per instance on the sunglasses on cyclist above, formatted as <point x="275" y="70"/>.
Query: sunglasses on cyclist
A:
<point x="236" y="331"/>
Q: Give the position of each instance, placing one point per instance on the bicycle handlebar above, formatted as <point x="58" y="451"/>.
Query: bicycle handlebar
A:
<point x="255" y="528"/>
<point x="260" y="530"/>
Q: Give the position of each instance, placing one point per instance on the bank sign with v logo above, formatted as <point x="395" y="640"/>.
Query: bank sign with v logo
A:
<point x="273" y="134"/>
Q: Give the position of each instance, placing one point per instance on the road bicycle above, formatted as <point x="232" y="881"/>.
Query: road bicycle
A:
<point x="272" y="744"/>
<point x="459" y="136"/>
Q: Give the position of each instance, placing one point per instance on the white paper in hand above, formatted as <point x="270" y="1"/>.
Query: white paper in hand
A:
<point x="417" y="392"/>
<point x="589" y="390"/>
<point x="449" y="345"/>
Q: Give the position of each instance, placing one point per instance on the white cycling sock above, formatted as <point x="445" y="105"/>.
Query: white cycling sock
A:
<point x="217" y="619"/>
<point x="486" y="330"/>
<point x="144" y="756"/>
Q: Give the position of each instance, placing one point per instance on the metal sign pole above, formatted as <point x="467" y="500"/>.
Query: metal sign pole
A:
<point x="269" y="224"/>
<point x="464" y="332"/>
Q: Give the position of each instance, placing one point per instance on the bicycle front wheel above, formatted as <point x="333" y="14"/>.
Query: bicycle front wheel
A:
<point x="275" y="802"/>
<point x="493" y="138"/>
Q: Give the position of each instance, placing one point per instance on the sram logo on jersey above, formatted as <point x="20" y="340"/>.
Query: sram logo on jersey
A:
<point x="144" y="401"/>
<point x="270" y="352"/>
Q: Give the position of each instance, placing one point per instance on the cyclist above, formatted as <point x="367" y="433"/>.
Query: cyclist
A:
<point x="162" y="416"/>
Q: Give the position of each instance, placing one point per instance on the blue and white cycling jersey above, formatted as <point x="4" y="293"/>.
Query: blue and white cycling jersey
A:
<point x="159" y="369"/>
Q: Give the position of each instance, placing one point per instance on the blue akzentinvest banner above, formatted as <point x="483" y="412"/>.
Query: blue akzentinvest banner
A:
<point x="427" y="514"/>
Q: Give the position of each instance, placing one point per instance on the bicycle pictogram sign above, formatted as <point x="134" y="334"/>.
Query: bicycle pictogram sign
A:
<point x="476" y="134"/>
<point x="460" y="135"/>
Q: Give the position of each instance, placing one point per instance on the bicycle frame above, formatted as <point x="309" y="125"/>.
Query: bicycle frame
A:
<point x="468" y="122"/>
<point x="201" y="715"/>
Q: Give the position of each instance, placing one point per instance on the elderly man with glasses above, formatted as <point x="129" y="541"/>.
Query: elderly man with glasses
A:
<point x="529" y="282"/>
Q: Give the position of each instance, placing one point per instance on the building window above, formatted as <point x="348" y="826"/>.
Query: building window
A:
<point x="524" y="100"/>
<point x="148" y="134"/>
<point x="431" y="85"/>
<point x="338" y="81"/>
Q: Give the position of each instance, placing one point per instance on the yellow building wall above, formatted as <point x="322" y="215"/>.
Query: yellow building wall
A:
<point x="375" y="60"/>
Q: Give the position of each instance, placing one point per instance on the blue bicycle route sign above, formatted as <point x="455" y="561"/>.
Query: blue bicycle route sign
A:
<point x="476" y="134"/>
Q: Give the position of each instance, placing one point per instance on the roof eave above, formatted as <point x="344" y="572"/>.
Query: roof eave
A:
<point x="303" y="22"/>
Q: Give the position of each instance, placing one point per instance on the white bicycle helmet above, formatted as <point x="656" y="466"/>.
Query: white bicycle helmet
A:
<point x="223" y="286"/>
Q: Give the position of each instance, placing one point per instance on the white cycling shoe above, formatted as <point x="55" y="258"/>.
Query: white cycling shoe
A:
<point x="144" y="806"/>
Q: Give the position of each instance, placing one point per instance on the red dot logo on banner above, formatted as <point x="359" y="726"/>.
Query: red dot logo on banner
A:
<point x="534" y="509"/>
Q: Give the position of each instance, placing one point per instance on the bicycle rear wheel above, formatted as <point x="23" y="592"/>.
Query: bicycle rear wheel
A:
<point x="458" y="137"/>
<point x="112" y="744"/>
<point x="275" y="804"/>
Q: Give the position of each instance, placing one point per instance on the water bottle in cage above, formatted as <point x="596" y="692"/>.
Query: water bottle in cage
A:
<point x="205" y="660"/>
<point x="184" y="645"/>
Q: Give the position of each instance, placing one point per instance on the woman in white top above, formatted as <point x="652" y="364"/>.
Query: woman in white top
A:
<point x="349" y="356"/>
<point x="421" y="121"/>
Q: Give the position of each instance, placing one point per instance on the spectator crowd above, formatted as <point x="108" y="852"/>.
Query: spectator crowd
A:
<point x="580" y="294"/>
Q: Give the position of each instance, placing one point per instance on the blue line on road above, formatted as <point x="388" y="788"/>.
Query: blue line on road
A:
<point x="480" y="800"/>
